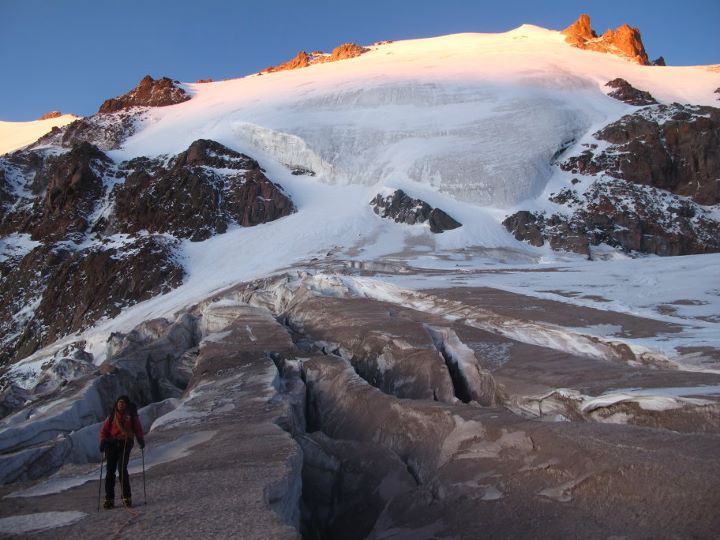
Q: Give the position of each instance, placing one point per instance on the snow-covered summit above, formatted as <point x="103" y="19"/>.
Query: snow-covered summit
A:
<point x="477" y="116"/>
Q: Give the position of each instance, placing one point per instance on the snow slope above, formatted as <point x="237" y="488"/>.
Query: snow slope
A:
<point x="477" y="116"/>
<point x="15" y="135"/>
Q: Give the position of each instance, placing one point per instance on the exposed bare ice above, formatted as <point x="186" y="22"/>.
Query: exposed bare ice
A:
<point x="284" y="405"/>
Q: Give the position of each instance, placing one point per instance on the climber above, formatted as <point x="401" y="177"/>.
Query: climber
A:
<point x="116" y="440"/>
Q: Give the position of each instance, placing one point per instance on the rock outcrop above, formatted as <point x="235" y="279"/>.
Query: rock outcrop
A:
<point x="53" y="195"/>
<point x="50" y="115"/>
<point x="303" y="59"/>
<point x="623" y="215"/>
<point x="53" y="291"/>
<point x="402" y="208"/>
<point x="625" y="41"/>
<point x="654" y="180"/>
<point x="72" y="184"/>
<point x="192" y="198"/>
<point x="148" y="93"/>
<point x="118" y="118"/>
<point x="624" y="91"/>
<point x="64" y="213"/>
<point x="106" y="131"/>
<point x="671" y="147"/>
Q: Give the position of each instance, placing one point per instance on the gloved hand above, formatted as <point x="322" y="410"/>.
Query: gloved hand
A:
<point x="141" y="442"/>
<point x="103" y="446"/>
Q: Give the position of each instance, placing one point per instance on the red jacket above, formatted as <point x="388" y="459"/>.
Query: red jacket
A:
<point x="130" y="425"/>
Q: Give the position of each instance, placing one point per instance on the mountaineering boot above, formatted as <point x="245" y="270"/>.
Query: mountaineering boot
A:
<point x="108" y="504"/>
<point x="127" y="501"/>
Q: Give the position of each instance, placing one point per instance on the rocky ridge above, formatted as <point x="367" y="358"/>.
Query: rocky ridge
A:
<point x="118" y="118"/>
<point x="105" y="131"/>
<point x="303" y="59"/>
<point x="624" y="41"/>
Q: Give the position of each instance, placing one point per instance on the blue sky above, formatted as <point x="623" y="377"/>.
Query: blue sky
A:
<point x="71" y="55"/>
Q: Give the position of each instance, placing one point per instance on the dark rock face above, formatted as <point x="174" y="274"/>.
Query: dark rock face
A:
<point x="5" y="191"/>
<point x="61" y="271"/>
<point x="625" y="41"/>
<point x="148" y="93"/>
<point x="527" y="227"/>
<point x="404" y="209"/>
<point x="18" y="190"/>
<point x="622" y="215"/>
<point x="624" y="91"/>
<point x="62" y="291"/>
<point x="190" y="199"/>
<point x="51" y="196"/>
<point x="74" y="184"/>
<point x="675" y="148"/>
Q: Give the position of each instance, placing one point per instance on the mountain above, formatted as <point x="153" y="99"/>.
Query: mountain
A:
<point x="440" y="286"/>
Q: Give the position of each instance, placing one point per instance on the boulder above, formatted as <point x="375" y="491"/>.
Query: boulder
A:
<point x="526" y="226"/>
<point x="580" y="31"/>
<point x="345" y="51"/>
<point x="628" y="41"/>
<point x="402" y="208"/>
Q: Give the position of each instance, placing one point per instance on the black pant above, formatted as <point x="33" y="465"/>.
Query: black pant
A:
<point x="118" y="455"/>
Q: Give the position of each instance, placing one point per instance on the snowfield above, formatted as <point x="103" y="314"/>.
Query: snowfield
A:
<point x="475" y="116"/>
<point x="15" y="135"/>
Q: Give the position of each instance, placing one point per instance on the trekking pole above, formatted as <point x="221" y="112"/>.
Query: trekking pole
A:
<point x="143" y="465"/>
<point x="102" y="460"/>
